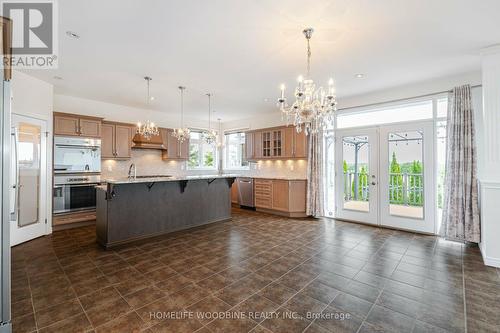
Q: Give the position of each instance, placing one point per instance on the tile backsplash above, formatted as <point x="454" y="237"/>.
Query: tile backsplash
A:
<point x="277" y="168"/>
<point x="149" y="162"/>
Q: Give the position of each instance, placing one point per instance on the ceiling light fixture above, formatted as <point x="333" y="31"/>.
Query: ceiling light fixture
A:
<point x="209" y="136"/>
<point x="313" y="108"/>
<point x="148" y="129"/>
<point x="359" y="76"/>
<point x="181" y="133"/>
<point x="72" y="34"/>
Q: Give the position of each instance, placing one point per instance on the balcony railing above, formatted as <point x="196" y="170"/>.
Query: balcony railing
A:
<point x="404" y="188"/>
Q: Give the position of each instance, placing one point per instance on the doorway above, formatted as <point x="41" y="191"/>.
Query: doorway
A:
<point x="28" y="190"/>
<point x="385" y="175"/>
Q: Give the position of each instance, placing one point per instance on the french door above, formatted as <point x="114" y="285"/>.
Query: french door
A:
<point x="385" y="176"/>
<point x="28" y="190"/>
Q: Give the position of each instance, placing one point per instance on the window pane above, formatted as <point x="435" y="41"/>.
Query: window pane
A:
<point x="406" y="174"/>
<point x="201" y="154"/>
<point x="234" y="151"/>
<point x="400" y="113"/>
<point x="356" y="150"/>
<point x="442" y="107"/>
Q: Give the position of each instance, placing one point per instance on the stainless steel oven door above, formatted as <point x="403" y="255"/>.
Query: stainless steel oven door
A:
<point x="74" y="197"/>
<point x="75" y="155"/>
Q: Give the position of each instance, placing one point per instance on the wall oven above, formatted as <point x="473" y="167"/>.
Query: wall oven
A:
<point x="75" y="192"/>
<point x="75" y="155"/>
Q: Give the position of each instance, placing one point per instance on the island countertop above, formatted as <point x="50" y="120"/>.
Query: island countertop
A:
<point x="142" y="179"/>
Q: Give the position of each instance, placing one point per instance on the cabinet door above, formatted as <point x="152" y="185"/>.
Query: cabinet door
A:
<point x="277" y="143"/>
<point x="280" y="195"/>
<point x="263" y="193"/>
<point x="257" y="145"/>
<point x="173" y="146"/>
<point x="249" y="153"/>
<point x="184" y="150"/>
<point x="300" y="145"/>
<point x="123" y="139"/>
<point x="287" y="142"/>
<point x="266" y="144"/>
<point x="234" y="193"/>
<point x="90" y="128"/>
<point x="108" y="141"/>
<point x="66" y="125"/>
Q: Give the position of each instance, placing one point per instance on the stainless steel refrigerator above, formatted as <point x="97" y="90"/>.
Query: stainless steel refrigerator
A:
<point x="5" y="133"/>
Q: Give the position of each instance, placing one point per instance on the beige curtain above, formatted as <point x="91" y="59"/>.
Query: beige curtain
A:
<point x="461" y="208"/>
<point x="315" y="172"/>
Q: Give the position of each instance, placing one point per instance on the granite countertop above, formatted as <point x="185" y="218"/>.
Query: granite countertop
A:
<point x="276" y="177"/>
<point x="165" y="179"/>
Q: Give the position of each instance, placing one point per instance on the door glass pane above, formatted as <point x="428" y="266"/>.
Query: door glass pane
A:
<point x="406" y="179"/>
<point x="441" y="160"/>
<point x="356" y="150"/>
<point x="28" y="156"/>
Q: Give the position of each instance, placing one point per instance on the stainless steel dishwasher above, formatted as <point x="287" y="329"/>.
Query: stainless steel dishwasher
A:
<point x="245" y="192"/>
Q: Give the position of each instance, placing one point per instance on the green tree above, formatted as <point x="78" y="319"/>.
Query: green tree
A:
<point x="415" y="183"/>
<point x="209" y="158"/>
<point x="193" y="156"/>
<point x="396" y="180"/>
<point x="363" y="184"/>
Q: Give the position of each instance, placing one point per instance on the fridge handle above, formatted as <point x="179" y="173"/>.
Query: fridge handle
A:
<point x="15" y="136"/>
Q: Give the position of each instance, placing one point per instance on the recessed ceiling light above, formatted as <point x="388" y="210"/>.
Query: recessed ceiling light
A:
<point x="266" y="99"/>
<point x="72" y="34"/>
<point x="56" y="77"/>
<point x="359" y="76"/>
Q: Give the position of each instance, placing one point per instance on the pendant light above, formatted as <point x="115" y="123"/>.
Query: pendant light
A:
<point x="209" y="136"/>
<point x="181" y="133"/>
<point x="148" y="129"/>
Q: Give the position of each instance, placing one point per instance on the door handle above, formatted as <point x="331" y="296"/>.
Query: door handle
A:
<point x="373" y="183"/>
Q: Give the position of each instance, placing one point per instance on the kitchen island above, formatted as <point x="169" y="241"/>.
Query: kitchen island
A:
<point x="138" y="208"/>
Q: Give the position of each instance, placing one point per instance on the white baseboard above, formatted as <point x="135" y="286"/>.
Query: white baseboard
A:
<point x="494" y="262"/>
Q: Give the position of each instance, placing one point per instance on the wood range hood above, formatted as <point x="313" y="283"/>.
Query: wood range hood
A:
<point x="155" y="142"/>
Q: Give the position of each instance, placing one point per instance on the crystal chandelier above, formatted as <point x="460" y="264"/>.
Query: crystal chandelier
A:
<point x="148" y="129"/>
<point x="181" y="133"/>
<point x="313" y="107"/>
<point x="209" y="136"/>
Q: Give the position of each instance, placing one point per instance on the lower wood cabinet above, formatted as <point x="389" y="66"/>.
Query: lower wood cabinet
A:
<point x="282" y="197"/>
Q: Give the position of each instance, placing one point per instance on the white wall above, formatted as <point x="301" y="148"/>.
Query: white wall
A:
<point x="34" y="98"/>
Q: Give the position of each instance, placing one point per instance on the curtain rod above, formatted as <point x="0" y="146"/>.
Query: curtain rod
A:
<point x="403" y="99"/>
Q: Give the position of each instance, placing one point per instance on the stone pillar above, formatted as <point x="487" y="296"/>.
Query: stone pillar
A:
<point x="489" y="177"/>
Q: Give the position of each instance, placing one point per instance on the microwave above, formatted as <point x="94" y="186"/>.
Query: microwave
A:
<point x="77" y="155"/>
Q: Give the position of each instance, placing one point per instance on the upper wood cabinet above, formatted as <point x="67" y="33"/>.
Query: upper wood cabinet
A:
<point x="175" y="149"/>
<point x="284" y="197"/>
<point x="77" y="125"/>
<point x="116" y="140"/>
<point x="275" y="143"/>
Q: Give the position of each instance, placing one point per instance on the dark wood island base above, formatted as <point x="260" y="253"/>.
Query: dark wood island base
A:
<point x="132" y="210"/>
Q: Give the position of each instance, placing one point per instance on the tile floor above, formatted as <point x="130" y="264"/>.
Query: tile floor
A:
<point x="257" y="273"/>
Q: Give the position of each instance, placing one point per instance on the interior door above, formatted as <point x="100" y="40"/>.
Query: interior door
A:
<point x="356" y="163"/>
<point x="28" y="179"/>
<point x="407" y="196"/>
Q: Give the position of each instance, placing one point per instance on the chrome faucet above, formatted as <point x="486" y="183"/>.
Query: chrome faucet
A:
<point x="132" y="166"/>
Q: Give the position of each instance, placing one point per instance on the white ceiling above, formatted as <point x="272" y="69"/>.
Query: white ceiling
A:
<point x="242" y="50"/>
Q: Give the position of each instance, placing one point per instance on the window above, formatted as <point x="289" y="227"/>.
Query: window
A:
<point x="386" y="115"/>
<point x="235" y="152"/>
<point x="201" y="154"/>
